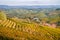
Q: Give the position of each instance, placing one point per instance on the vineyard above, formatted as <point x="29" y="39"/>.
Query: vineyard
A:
<point x="16" y="29"/>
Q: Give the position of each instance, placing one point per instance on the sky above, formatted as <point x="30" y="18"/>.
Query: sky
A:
<point x="29" y="2"/>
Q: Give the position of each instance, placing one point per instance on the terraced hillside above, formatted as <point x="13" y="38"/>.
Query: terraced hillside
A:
<point x="24" y="29"/>
<point x="15" y="29"/>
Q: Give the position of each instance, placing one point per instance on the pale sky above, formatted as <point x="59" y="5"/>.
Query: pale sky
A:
<point x="29" y="2"/>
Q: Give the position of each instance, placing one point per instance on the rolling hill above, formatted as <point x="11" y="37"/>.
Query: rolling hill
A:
<point x="16" y="29"/>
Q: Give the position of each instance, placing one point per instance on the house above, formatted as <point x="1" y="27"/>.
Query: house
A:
<point x="36" y="20"/>
<point x="53" y="25"/>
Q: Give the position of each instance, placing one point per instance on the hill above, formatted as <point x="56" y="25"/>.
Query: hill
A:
<point x="27" y="24"/>
<point x="29" y="7"/>
<point x="16" y="29"/>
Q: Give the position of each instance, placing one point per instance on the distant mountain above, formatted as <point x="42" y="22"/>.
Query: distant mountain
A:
<point x="3" y="6"/>
<point x="29" y="7"/>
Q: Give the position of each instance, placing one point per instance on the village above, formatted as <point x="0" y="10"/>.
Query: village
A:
<point x="43" y="23"/>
